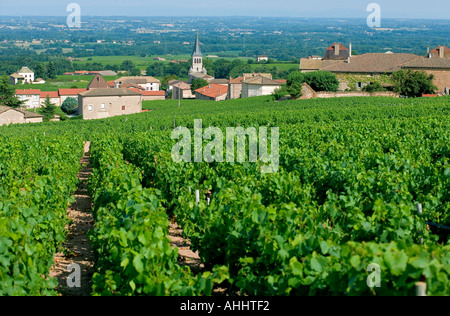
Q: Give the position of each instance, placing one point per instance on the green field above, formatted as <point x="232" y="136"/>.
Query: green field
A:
<point x="343" y="197"/>
<point x="64" y="82"/>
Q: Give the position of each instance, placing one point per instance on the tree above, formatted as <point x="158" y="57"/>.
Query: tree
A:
<point x="51" y="71"/>
<point x="40" y="71"/>
<point x="8" y="93"/>
<point x="69" y="105"/>
<point x="374" y="87"/>
<point x="48" y="110"/>
<point x="322" y="81"/>
<point x="412" y="83"/>
<point x="295" y="89"/>
<point x="197" y="84"/>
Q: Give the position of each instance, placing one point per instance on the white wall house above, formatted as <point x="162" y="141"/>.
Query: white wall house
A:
<point x="259" y="86"/>
<point x="147" y="83"/>
<point x="27" y="74"/>
<point x="30" y="97"/>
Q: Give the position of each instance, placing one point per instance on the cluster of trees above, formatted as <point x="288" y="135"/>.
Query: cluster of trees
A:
<point x="220" y="68"/>
<point x="318" y="80"/>
<point x="407" y="83"/>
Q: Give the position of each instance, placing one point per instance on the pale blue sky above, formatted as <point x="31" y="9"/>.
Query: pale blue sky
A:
<point x="414" y="9"/>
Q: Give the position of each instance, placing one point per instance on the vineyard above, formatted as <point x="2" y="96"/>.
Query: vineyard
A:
<point x="351" y="175"/>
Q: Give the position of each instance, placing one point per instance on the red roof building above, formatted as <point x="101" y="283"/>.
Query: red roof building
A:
<point x="212" y="92"/>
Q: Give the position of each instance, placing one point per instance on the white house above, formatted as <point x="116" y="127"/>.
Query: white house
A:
<point x="27" y="74"/>
<point x="259" y="86"/>
<point x="147" y="83"/>
<point x="262" y="58"/>
<point x="30" y="97"/>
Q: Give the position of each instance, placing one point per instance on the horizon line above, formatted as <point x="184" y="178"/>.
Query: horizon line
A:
<point x="223" y="16"/>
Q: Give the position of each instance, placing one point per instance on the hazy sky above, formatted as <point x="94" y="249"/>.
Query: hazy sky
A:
<point x="436" y="9"/>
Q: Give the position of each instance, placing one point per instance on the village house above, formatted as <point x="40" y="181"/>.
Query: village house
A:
<point x="148" y="83"/>
<point x="440" y="52"/>
<point x="53" y="95"/>
<point x="262" y="58"/>
<point x="371" y="67"/>
<point x="31" y="98"/>
<point x="212" y="92"/>
<point x="15" y="116"/>
<point x="182" y="90"/>
<point x="259" y="86"/>
<point x="104" y="103"/>
<point x="27" y="74"/>
<point x="150" y="95"/>
<point x="235" y="88"/>
<point x="69" y="93"/>
<point x="24" y="75"/>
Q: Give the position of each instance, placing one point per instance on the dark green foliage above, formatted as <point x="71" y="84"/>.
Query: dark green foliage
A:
<point x="7" y="93"/>
<point x="69" y="105"/>
<point x="374" y="87"/>
<point x="48" y="110"/>
<point x="197" y="84"/>
<point x="412" y="83"/>
<point x="318" y="80"/>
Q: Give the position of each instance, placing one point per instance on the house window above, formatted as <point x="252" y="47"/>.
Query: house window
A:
<point x="123" y="107"/>
<point x="103" y="106"/>
<point x="90" y="107"/>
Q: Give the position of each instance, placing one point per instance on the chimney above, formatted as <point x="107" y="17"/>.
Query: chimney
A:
<point x="428" y="52"/>
<point x="350" y="51"/>
<point x="441" y="52"/>
<point x="337" y="49"/>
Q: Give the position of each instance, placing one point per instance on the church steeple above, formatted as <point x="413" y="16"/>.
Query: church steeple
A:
<point x="197" y="51"/>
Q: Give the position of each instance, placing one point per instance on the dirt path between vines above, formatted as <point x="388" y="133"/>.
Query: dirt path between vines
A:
<point x="186" y="257"/>
<point x="78" y="250"/>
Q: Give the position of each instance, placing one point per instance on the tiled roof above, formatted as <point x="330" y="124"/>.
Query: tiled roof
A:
<point x="64" y="92"/>
<point x="260" y="80"/>
<point x="51" y="94"/>
<point x="26" y="114"/>
<point x="237" y="80"/>
<point x="98" y="83"/>
<point x="109" y="93"/>
<point x="150" y="93"/>
<point x="372" y="63"/>
<point x="428" y="63"/>
<point x="25" y="70"/>
<point x="28" y="92"/>
<point x="213" y="90"/>
<point x="136" y="79"/>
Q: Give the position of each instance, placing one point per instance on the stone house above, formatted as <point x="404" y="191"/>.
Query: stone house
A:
<point x="182" y="90"/>
<point x="259" y="86"/>
<point x="53" y="95"/>
<point x="15" y="116"/>
<point x="30" y="97"/>
<point x="212" y="92"/>
<point x="104" y="103"/>
<point x="148" y="83"/>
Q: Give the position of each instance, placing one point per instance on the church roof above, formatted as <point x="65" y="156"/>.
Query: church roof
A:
<point x="197" y="51"/>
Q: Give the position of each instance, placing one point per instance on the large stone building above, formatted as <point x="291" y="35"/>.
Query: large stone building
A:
<point x="354" y="72"/>
<point x="15" y="116"/>
<point x="104" y="103"/>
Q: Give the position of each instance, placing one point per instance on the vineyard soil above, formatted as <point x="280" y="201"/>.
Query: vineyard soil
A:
<point x="77" y="248"/>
